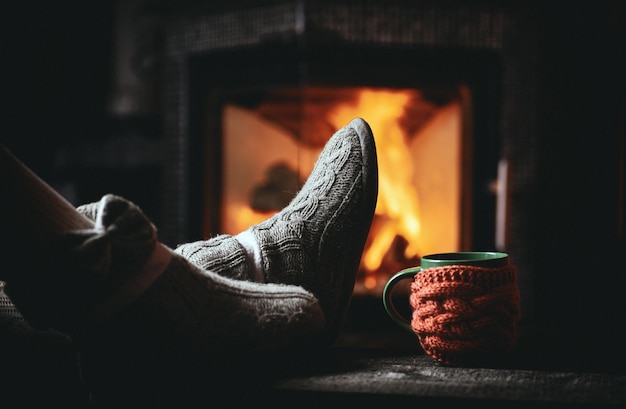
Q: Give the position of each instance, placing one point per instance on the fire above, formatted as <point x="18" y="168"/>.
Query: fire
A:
<point x="398" y="200"/>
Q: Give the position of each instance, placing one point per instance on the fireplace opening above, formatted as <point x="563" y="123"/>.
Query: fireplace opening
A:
<point x="260" y="115"/>
<point x="271" y="141"/>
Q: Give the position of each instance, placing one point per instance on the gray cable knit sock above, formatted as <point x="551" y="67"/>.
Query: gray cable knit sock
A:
<point x="118" y="271"/>
<point x="318" y="239"/>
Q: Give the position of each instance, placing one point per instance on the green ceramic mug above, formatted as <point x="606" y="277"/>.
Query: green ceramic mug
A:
<point x="487" y="259"/>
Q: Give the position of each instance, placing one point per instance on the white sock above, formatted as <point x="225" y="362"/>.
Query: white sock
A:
<point x="253" y="253"/>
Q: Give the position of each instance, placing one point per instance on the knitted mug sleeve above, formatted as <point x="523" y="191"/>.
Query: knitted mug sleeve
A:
<point x="465" y="315"/>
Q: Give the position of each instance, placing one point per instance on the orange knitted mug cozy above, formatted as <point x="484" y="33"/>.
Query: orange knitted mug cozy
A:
<point x="466" y="315"/>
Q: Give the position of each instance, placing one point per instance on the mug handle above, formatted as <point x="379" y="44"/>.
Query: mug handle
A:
<point x="390" y="307"/>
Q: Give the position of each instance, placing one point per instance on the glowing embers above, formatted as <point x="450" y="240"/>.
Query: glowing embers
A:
<point x="270" y="147"/>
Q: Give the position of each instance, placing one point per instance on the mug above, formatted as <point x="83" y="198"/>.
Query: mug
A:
<point x="465" y="306"/>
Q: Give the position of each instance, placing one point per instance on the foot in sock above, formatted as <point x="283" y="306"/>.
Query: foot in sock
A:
<point x="317" y="240"/>
<point x="118" y="272"/>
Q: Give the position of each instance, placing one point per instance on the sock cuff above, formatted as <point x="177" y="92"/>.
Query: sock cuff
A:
<point x="253" y="254"/>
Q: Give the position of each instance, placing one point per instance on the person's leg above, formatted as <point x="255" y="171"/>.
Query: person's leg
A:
<point x="317" y="240"/>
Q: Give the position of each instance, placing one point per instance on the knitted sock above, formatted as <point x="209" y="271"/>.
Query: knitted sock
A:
<point x="118" y="271"/>
<point x="318" y="239"/>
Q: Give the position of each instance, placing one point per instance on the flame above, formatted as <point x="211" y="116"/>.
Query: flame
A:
<point x="398" y="200"/>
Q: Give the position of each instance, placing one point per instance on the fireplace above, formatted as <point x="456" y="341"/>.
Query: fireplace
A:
<point x="254" y="92"/>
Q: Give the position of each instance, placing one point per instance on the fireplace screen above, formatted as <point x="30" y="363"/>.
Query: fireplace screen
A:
<point x="270" y="140"/>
